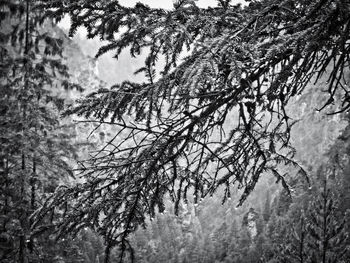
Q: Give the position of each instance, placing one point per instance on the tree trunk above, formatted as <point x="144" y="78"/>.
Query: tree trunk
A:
<point x="21" y="250"/>
<point x="302" y="236"/>
<point x="21" y="253"/>
<point x="32" y="185"/>
<point x="324" y="237"/>
<point x="23" y="219"/>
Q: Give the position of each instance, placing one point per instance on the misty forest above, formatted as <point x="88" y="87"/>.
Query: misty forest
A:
<point x="215" y="133"/>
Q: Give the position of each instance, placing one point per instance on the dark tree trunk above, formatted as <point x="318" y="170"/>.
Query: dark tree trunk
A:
<point x="22" y="239"/>
<point x="324" y="237"/>
<point x="302" y="237"/>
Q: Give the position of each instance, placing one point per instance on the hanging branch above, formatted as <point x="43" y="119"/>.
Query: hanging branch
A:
<point x="216" y="117"/>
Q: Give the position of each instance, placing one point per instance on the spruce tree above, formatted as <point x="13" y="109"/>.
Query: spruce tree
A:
<point x="33" y="146"/>
<point x="296" y="241"/>
<point x="212" y="119"/>
<point x="329" y="241"/>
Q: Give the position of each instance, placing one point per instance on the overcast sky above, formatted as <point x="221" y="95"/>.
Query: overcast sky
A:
<point x="168" y="4"/>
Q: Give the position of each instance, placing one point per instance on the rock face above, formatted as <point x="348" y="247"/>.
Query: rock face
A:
<point x="250" y="222"/>
<point x="110" y="69"/>
<point x="83" y="69"/>
<point x="315" y="130"/>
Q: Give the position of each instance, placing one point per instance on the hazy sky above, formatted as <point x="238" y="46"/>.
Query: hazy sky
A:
<point x="168" y="4"/>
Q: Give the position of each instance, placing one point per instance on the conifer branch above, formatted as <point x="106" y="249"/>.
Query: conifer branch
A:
<point x="243" y="64"/>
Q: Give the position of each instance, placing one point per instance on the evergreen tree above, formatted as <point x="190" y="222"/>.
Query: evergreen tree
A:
<point x="329" y="240"/>
<point x="220" y="239"/>
<point x="243" y="63"/>
<point x="244" y="244"/>
<point x="233" y="252"/>
<point x="339" y="160"/>
<point x="275" y="236"/>
<point x="296" y="249"/>
<point x="33" y="145"/>
<point x="282" y="202"/>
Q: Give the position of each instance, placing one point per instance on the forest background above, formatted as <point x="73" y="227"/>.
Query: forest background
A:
<point x="305" y="222"/>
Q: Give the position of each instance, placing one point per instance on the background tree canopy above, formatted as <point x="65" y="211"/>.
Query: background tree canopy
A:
<point x="36" y="148"/>
<point x="212" y="111"/>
